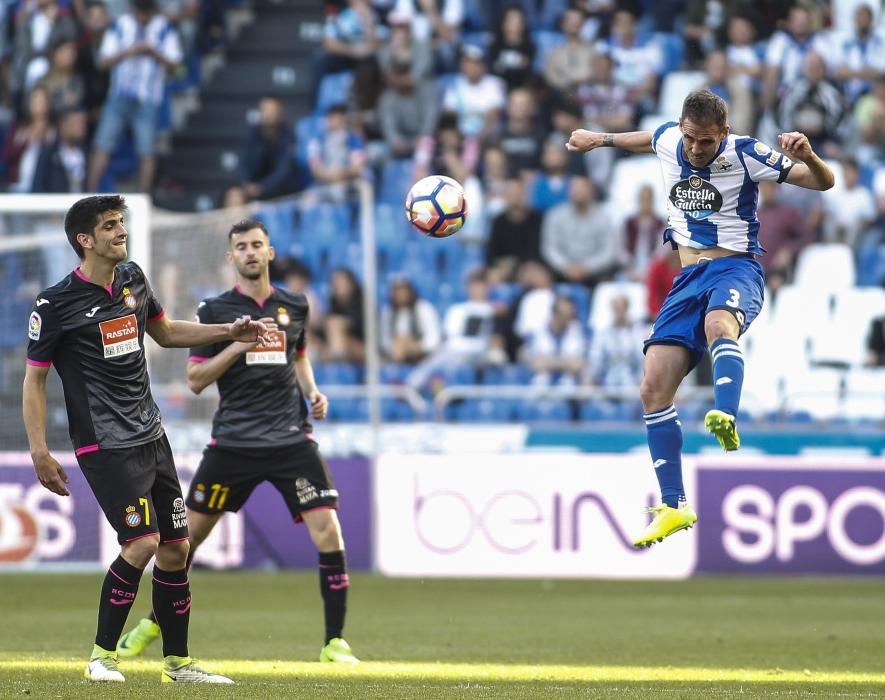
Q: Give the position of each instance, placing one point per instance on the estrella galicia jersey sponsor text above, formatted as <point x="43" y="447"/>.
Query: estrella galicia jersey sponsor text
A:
<point x="261" y="404"/>
<point x="94" y="336"/>
<point x="716" y="205"/>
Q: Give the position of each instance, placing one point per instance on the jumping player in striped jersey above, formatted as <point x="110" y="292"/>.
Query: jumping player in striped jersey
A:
<point x="711" y="177"/>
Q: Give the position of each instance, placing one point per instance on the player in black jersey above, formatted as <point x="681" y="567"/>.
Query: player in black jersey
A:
<point x="91" y="326"/>
<point x="261" y="430"/>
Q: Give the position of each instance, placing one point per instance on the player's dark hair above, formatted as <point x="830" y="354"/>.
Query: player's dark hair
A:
<point x="704" y="108"/>
<point x="246" y="225"/>
<point x="82" y="217"/>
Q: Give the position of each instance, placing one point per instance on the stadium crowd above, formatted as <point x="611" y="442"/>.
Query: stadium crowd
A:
<point x="485" y="92"/>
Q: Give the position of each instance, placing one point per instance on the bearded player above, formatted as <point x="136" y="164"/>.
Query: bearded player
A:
<point x="91" y="326"/>
<point x="712" y="177"/>
<point x="261" y="430"/>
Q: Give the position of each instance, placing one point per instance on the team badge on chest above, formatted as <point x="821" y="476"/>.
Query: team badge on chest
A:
<point x="128" y="298"/>
<point x="283" y="316"/>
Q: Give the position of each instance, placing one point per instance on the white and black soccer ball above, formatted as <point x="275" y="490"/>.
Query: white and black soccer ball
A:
<point x="436" y="206"/>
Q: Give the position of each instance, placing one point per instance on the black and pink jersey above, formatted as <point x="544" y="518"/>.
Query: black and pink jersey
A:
<point x="261" y="403"/>
<point x="94" y="336"/>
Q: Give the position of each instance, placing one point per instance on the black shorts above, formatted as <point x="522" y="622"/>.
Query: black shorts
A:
<point x="227" y="476"/>
<point x="138" y="490"/>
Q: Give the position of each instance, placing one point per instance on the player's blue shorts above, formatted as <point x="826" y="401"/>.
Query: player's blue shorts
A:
<point x="735" y="283"/>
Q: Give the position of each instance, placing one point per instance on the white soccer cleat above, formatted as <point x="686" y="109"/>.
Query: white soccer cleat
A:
<point x="103" y="670"/>
<point x="189" y="672"/>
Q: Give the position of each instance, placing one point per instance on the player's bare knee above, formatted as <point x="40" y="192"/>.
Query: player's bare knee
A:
<point x="721" y="326"/>
<point x="172" y="556"/>
<point x="140" y="552"/>
<point x="325" y="531"/>
<point x="653" y="393"/>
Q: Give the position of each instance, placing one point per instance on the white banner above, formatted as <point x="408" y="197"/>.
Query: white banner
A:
<point x="534" y="515"/>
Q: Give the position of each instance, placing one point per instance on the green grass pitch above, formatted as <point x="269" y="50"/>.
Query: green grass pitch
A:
<point x="703" y="638"/>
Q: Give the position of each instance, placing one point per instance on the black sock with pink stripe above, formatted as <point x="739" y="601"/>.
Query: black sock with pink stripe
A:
<point x="190" y="557"/>
<point x="172" y="609"/>
<point x="334" y="583"/>
<point x="117" y="595"/>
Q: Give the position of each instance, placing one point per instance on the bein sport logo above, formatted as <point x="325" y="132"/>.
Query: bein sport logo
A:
<point x="759" y="527"/>
<point x="511" y="521"/>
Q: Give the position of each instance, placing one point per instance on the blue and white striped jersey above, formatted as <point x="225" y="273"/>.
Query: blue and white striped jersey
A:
<point x="716" y="205"/>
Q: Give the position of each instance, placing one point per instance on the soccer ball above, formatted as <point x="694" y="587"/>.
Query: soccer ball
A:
<point x="436" y="206"/>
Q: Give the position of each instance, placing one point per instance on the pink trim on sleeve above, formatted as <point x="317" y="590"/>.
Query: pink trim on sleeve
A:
<point x="158" y="316"/>
<point x="197" y="358"/>
<point x="37" y="363"/>
<point x="86" y="449"/>
<point x="301" y="352"/>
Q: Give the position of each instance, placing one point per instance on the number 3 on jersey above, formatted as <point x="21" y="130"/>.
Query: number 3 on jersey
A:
<point x="735" y="300"/>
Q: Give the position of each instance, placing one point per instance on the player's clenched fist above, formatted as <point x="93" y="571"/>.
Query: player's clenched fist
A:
<point x="319" y="404"/>
<point x="582" y="141"/>
<point x="246" y="330"/>
<point x="795" y="145"/>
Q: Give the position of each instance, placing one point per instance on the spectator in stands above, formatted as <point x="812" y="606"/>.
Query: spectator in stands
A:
<point x="521" y="136"/>
<point x="744" y="60"/>
<point x="495" y="171"/>
<point x="577" y="239"/>
<point x="25" y="140"/>
<point x="785" y="232"/>
<point x="407" y="111"/>
<point x="476" y="97"/>
<point x="43" y="25"/>
<point x="643" y="233"/>
<point x="608" y="107"/>
<point x="636" y="61"/>
<point x="861" y="57"/>
<point x="515" y="235"/>
<point x="402" y="48"/>
<point x="61" y="166"/>
<point x="739" y="97"/>
<point x="436" y="22"/>
<point x="409" y="325"/>
<point x="616" y="357"/>
<point x="869" y="113"/>
<point x="570" y="64"/>
<point x="662" y="270"/>
<point x="350" y="37"/>
<point x="65" y="86"/>
<point x="530" y="311"/>
<point x="449" y="154"/>
<point x="785" y="55"/>
<point x="138" y="48"/>
<point x="96" y="79"/>
<point x="876" y="343"/>
<point x="183" y="15"/>
<point x="550" y="188"/>
<point x="814" y="106"/>
<point x="297" y="279"/>
<point x="851" y="209"/>
<point x="556" y="353"/>
<point x="267" y="153"/>
<point x="471" y="334"/>
<point x="703" y="24"/>
<point x="337" y="157"/>
<point x="344" y="331"/>
<point x="566" y="117"/>
<point x="512" y="52"/>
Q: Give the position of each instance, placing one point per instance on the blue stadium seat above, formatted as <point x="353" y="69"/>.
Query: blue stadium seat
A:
<point x="394" y="373"/>
<point x="396" y="179"/>
<point x="334" y="89"/>
<point x="672" y="50"/>
<point x="613" y="411"/>
<point x="545" y="41"/>
<point x="501" y="375"/>
<point x="485" y="410"/>
<point x="306" y="129"/>
<point x="337" y="373"/>
<point x="546" y="410"/>
<point x="579" y="294"/>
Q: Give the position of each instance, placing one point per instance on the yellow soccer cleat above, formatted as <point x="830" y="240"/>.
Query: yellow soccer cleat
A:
<point x="338" y="651"/>
<point x="722" y="425"/>
<point x="135" y="641"/>
<point x="667" y="520"/>
<point x="185" y="669"/>
<point x="102" y="667"/>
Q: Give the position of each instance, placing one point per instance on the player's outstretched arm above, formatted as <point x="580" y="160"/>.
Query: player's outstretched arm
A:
<point x="187" y="334"/>
<point x="809" y="170"/>
<point x="582" y="141"/>
<point x="50" y="473"/>
<point x="304" y="374"/>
